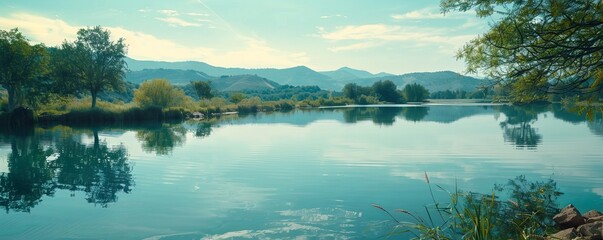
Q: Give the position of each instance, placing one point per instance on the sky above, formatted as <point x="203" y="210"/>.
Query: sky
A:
<point x="394" y="36"/>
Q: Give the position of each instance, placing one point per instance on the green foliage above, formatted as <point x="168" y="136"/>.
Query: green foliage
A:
<point x="415" y="92"/>
<point x="93" y="63"/>
<point x="355" y="92"/>
<point x="203" y="89"/>
<point x="237" y="97"/>
<point x="386" y="91"/>
<point x="537" y="47"/>
<point x="526" y="214"/>
<point x="159" y="93"/>
<point x="23" y="69"/>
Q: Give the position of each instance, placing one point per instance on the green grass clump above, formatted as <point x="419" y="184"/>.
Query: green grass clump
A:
<point x="526" y="214"/>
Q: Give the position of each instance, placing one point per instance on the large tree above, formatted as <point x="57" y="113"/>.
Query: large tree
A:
<point x="94" y="62"/>
<point x="415" y="92"/>
<point x="203" y="89"/>
<point x="386" y="91"/>
<point x="537" y="47"/>
<point x="22" y="67"/>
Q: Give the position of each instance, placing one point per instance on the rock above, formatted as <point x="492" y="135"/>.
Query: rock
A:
<point x="567" y="234"/>
<point x="591" y="230"/>
<point x="592" y="214"/>
<point x="569" y="217"/>
<point x="595" y="219"/>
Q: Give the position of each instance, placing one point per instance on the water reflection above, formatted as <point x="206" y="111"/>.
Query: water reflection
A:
<point x="162" y="139"/>
<point x="517" y="128"/>
<point x="384" y="115"/>
<point x="37" y="168"/>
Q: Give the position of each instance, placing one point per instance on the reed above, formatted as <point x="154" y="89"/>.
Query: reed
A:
<point x="526" y="214"/>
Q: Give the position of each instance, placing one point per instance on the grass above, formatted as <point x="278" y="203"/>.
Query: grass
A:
<point x="526" y="214"/>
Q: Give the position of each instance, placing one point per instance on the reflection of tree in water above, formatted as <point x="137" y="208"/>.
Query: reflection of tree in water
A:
<point x="596" y="126"/>
<point x="517" y="128"/>
<point x="34" y="171"/>
<point x="162" y="140"/>
<point x="204" y="129"/>
<point x="379" y="115"/>
<point x="99" y="171"/>
<point x="29" y="177"/>
<point x="415" y="114"/>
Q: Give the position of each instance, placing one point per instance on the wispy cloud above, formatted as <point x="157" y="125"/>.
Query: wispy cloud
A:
<point x="253" y="53"/>
<point x="168" y="12"/>
<point x="197" y="14"/>
<point x="333" y="16"/>
<point x="428" y="13"/>
<point x="355" y="46"/>
<point x="177" y="22"/>
<point x="370" y="35"/>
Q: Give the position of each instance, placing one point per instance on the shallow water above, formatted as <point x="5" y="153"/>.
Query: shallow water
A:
<point x="302" y="174"/>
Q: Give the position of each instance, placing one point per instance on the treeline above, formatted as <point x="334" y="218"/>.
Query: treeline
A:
<point x="385" y="92"/>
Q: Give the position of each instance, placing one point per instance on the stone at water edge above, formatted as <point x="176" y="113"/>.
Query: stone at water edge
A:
<point x="591" y="229"/>
<point x="595" y="219"/>
<point x="592" y="214"/>
<point x="567" y="234"/>
<point x="569" y="217"/>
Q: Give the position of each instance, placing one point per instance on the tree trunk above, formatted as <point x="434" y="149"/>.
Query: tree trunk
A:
<point x="93" y="93"/>
<point x="96" y="140"/>
<point x="11" y="97"/>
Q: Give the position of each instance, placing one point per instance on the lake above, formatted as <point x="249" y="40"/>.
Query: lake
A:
<point x="304" y="174"/>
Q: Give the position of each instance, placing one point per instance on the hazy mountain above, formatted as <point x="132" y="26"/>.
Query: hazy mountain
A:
<point x="184" y="77"/>
<point x="347" y="74"/>
<point x="433" y="81"/>
<point x="242" y="82"/>
<point x="176" y="77"/>
<point x="297" y="76"/>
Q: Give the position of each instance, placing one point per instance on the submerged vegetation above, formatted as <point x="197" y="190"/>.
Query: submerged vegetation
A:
<point x="520" y="209"/>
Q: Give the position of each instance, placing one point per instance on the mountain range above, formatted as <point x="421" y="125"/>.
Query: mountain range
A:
<point x="236" y="79"/>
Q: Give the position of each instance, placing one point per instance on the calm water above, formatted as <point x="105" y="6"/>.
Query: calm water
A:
<point x="303" y="174"/>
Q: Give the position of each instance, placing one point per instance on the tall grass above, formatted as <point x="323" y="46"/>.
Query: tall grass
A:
<point x="526" y="214"/>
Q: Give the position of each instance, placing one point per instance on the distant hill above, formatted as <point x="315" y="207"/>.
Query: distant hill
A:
<point x="296" y="76"/>
<point x="433" y="81"/>
<point x="183" y="72"/>
<point x="242" y="82"/>
<point x="183" y="77"/>
<point x="176" y="77"/>
<point x="348" y="74"/>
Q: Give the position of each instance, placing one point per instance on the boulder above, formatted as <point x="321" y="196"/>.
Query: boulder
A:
<point x="595" y="219"/>
<point x="591" y="230"/>
<point x="567" y="234"/>
<point x="592" y="214"/>
<point x="569" y="217"/>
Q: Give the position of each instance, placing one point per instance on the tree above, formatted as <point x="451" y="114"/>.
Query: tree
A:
<point x="355" y="92"/>
<point x="537" y="47"/>
<point x="237" y="97"/>
<point x="97" y="63"/>
<point x="158" y="93"/>
<point x="415" y="92"/>
<point x="203" y="89"/>
<point x="22" y="67"/>
<point x="386" y="91"/>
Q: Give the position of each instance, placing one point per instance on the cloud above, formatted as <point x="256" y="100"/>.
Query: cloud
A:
<point x="429" y="13"/>
<point x="168" y="12"/>
<point x="369" y="35"/>
<point x="43" y="30"/>
<point x="177" y="22"/>
<point x="333" y="16"/>
<point x="355" y="46"/>
<point x="252" y="53"/>
<point x="197" y="14"/>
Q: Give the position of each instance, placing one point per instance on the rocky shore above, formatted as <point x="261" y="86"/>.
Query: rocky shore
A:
<point x="576" y="226"/>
